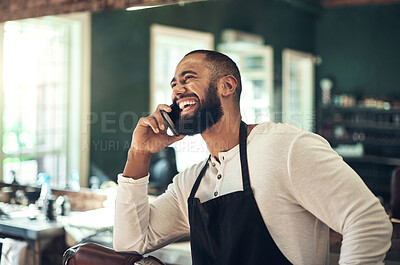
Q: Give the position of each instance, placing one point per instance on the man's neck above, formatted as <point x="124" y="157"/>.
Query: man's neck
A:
<point x="222" y="136"/>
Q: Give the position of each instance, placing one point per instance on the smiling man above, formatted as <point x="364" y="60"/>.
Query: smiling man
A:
<point x="267" y="194"/>
<point x="197" y="115"/>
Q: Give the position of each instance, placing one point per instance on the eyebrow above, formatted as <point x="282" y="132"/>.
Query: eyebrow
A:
<point x="183" y="74"/>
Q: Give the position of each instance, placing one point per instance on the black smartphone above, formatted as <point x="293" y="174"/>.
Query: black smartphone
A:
<point x="171" y="118"/>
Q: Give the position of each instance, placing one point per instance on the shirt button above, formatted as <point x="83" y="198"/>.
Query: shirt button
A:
<point x="213" y="164"/>
<point x="219" y="176"/>
<point x="216" y="193"/>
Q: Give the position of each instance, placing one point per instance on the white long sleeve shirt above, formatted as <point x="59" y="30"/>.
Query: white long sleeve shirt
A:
<point x="301" y="186"/>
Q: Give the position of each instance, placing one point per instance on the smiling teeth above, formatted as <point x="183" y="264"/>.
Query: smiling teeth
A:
<point x="184" y="104"/>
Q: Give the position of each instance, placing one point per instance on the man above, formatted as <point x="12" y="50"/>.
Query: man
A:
<point x="267" y="195"/>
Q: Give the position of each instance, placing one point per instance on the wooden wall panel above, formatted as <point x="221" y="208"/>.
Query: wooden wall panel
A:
<point x="19" y="9"/>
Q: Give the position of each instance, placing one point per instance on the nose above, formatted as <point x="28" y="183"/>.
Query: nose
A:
<point x="178" y="90"/>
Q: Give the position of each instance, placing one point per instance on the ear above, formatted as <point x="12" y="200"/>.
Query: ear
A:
<point x="227" y="85"/>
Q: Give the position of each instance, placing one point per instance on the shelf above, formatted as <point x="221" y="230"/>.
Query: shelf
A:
<point x="367" y="119"/>
<point x="334" y="109"/>
<point x="378" y="130"/>
<point x="364" y="125"/>
<point x="374" y="142"/>
<point x="388" y="161"/>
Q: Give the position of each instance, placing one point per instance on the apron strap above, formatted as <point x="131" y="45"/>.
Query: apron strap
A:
<point x="198" y="180"/>
<point x="243" y="162"/>
<point x="243" y="158"/>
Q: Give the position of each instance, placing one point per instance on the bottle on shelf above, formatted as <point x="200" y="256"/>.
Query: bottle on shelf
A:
<point x="74" y="182"/>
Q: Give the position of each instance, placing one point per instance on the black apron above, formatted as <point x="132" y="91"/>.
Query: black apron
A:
<point x="230" y="229"/>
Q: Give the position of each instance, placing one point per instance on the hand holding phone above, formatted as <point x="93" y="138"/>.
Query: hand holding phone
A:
<point x="171" y="118"/>
<point x="149" y="137"/>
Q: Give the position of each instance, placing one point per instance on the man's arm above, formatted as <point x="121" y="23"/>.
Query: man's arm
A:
<point x="330" y="189"/>
<point x="139" y="226"/>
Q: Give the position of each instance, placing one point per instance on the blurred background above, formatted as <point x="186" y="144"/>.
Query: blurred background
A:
<point x="75" y="77"/>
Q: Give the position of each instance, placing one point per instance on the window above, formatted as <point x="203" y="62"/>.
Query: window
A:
<point x="298" y="89"/>
<point x="255" y="62"/>
<point x="168" y="46"/>
<point x="44" y="87"/>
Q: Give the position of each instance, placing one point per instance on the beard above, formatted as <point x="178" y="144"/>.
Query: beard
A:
<point x="208" y="113"/>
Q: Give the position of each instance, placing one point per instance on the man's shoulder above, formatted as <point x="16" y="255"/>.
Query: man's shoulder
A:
<point x="283" y="134"/>
<point x="273" y="129"/>
<point x="195" y="168"/>
<point x="186" y="178"/>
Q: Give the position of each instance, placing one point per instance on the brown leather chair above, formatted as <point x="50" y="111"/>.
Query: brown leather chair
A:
<point x="95" y="254"/>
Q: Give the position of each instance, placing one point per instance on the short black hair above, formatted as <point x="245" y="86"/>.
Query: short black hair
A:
<point x="221" y="65"/>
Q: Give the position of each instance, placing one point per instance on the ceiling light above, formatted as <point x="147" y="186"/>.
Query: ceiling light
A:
<point x="180" y="3"/>
<point x="134" y="8"/>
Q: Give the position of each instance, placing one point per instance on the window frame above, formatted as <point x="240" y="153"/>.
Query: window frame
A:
<point x="191" y="148"/>
<point x="1" y="99"/>
<point x="245" y="50"/>
<point x="157" y="29"/>
<point x="82" y="88"/>
<point x="307" y="110"/>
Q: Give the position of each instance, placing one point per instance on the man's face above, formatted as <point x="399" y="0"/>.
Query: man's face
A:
<point x="195" y="93"/>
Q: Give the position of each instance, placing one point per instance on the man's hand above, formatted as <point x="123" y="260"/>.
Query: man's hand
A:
<point x="149" y="137"/>
<point x="150" y="134"/>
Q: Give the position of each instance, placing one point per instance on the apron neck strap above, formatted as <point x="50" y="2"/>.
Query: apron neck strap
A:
<point x="243" y="163"/>
<point x="198" y="180"/>
<point x="243" y="157"/>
